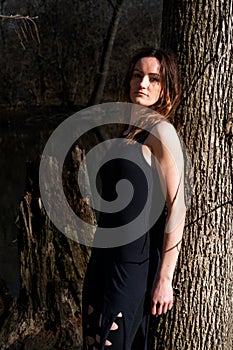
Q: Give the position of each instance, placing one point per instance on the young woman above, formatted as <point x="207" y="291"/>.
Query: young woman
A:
<point x="127" y="283"/>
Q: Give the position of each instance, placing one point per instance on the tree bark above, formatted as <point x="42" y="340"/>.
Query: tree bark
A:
<point x="200" y="32"/>
<point x="47" y="314"/>
<point x="101" y="77"/>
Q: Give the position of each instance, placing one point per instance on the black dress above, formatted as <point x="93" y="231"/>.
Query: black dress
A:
<point x="119" y="279"/>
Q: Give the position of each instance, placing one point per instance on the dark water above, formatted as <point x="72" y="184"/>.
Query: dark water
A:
<point x="22" y="138"/>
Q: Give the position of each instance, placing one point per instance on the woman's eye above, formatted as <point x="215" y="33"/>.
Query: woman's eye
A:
<point x="154" y="79"/>
<point x="136" y="75"/>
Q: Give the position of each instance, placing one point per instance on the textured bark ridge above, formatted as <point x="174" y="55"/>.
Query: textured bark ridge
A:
<point x="47" y="314"/>
<point x="201" y="33"/>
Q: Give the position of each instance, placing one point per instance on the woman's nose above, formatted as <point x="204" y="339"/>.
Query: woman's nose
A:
<point x="145" y="82"/>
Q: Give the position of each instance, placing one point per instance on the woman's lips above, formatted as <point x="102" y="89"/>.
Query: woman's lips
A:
<point x="140" y="93"/>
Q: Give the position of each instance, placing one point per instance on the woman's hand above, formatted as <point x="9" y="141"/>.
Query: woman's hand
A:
<point x="161" y="296"/>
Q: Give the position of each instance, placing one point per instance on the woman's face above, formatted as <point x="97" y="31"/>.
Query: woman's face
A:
<point x="145" y="85"/>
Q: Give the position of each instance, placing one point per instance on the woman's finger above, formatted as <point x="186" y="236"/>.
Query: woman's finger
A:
<point x="153" y="309"/>
<point x="170" y="305"/>
<point x="159" y="308"/>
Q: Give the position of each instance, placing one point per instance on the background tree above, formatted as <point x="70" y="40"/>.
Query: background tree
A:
<point x="47" y="312"/>
<point x="201" y="33"/>
<point x="101" y="77"/>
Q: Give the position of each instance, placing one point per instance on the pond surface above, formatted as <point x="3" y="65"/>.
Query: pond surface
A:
<point x="22" y="139"/>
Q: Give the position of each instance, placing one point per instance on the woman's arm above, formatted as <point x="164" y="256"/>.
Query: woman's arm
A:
<point x="162" y="292"/>
<point x="165" y="146"/>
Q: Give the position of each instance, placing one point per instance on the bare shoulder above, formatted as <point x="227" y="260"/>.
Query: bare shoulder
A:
<point x="165" y="144"/>
<point x="164" y="134"/>
<point x="163" y="130"/>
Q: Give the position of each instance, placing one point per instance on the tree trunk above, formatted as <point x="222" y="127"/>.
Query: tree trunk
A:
<point x="201" y="34"/>
<point x="47" y="314"/>
<point x="106" y="54"/>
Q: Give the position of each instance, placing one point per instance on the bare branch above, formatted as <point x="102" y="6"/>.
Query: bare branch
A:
<point x="35" y="28"/>
<point x="26" y="28"/>
<point x="20" y="37"/>
<point x="18" y="17"/>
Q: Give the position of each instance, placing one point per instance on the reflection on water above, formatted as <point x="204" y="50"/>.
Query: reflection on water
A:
<point x="22" y="138"/>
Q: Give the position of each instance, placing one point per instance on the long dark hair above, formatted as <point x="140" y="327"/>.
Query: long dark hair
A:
<point x="170" y="82"/>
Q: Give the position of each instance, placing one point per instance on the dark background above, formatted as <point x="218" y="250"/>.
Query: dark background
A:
<point x="44" y="81"/>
